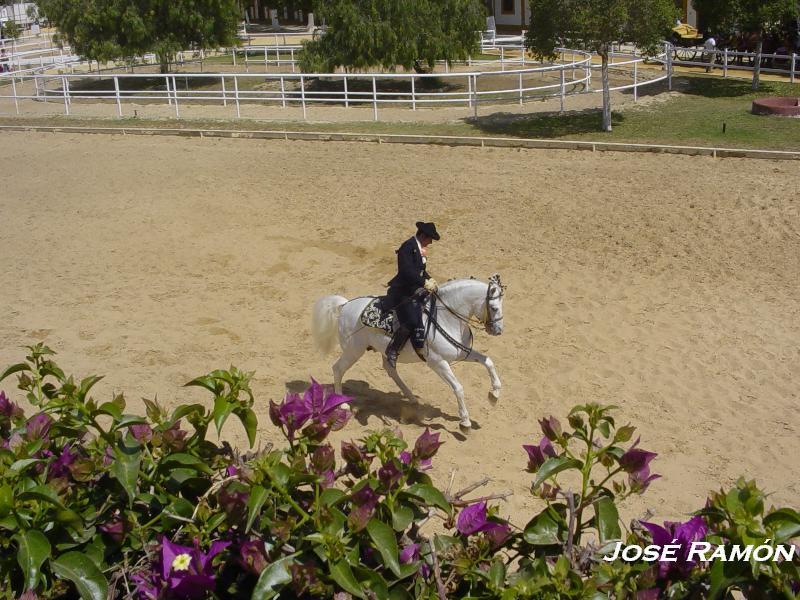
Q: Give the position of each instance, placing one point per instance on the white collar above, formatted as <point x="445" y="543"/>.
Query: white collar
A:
<point x="419" y="246"/>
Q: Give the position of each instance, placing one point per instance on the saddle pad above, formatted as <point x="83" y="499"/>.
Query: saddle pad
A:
<point x="373" y="316"/>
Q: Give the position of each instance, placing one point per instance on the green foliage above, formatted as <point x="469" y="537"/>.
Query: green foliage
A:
<point x="593" y="25"/>
<point x="385" y="33"/>
<point x="11" y="30"/>
<point x="115" y="29"/>
<point x="745" y="15"/>
<point x="97" y="503"/>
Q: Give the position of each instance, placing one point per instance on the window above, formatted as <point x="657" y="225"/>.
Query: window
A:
<point x="507" y="7"/>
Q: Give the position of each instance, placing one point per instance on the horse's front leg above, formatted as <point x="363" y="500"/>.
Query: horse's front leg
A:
<point x="494" y="393"/>
<point x="443" y="370"/>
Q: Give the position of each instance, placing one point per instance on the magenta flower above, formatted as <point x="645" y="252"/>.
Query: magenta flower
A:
<point x="409" y="553"/>
<point x="405" y="457"/>
<point x="61" y="466"/>
<point x="38" y="426"/>
<point x="141" y="432"/>
<point x="174" y="438"/>
<point x="497" y="534"/>
<point x="188" y="572"/>
<point x="640" y="480"/>
<point x="537" y="455"/>
<point x="318" y="405"/>
<point x="115" y="528"/>
<point x="8" y="409"/>
<point x="636" y="459"/>
<point x="389" y="475"/>
<point x="231" y="471"/>
<point x="364" y="502"/>
<point x="472" y="519"/>
<point x="426" y="445"/>
<point x="233" y="500"/>
<point x="551" y="428"/>
<point x="683" y="534"/>
<point x="322" y="460"/>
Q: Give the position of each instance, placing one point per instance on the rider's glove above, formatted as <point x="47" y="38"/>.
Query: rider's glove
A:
<point x="431" y="285"/>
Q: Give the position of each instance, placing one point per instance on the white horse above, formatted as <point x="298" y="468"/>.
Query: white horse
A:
<point x="449" y="338"/>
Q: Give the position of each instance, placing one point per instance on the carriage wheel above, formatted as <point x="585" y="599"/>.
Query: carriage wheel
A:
<point x="685" y="54"/>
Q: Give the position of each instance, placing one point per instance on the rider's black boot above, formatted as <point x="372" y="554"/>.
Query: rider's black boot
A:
<point x="393" y="349"/>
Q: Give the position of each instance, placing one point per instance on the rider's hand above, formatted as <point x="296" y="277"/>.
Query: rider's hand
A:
<point x="431" y="285"/>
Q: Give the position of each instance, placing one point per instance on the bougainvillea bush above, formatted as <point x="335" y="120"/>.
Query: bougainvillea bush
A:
<point x="97" y="503"/>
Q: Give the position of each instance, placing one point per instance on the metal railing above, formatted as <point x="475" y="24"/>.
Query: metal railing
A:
<point x="729" y="60"/>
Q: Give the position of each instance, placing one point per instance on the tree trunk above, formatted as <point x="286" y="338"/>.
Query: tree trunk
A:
<point x="606" y="92"/>
<point x="757" y="63"/>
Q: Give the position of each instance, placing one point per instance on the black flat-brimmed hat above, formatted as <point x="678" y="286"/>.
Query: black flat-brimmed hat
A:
<point x="428" y="229"/>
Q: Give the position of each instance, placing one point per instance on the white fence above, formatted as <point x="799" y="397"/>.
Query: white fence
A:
<point x="409" y="90"/>
<point x="730" y="60"/>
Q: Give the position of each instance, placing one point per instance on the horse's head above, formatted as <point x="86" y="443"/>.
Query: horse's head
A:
<point x="494" y="306"/>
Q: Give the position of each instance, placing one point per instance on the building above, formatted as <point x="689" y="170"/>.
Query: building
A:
<point x="512" y="16"/>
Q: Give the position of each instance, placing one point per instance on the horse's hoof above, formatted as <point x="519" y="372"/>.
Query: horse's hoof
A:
<point x="465" y="426"/>
<point x="494" y="396"/>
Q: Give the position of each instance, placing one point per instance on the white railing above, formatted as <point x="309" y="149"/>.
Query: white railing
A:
<point x="468" y="89"/>
<point x="729" y="60"/>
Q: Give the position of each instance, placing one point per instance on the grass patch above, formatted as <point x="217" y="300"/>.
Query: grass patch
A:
<point x="693" y="117"/>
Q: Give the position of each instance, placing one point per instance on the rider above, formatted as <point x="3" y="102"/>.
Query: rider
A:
<point x="404" y="295"/>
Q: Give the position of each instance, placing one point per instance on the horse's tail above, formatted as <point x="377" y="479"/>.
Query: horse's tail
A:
<point x="324" y="322"/>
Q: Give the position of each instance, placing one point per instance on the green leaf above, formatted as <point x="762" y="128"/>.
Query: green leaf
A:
<point x="785" y="522"/>
<point x="41" y="492"/>
<point x="723" y="575"/>
<point x="258" y="495"/>
<point x="204" y="382"/>
<point x="81" y="570"/>
<point x="20" y="465"/>
<point x="128" y="420"/>
<point x="249" y="422"/>
<point x="545" y="529"/>
<point x="384" y="539"/>
<point x="607" y="519"/>
<point x="6" y="500"/>
<point x="14" y="369"/>
<point x="110" y="409"/>
<point x="34" y="549"/>
<point x="555" y="465"/>
<point x="431" y="495"/>
<point x="331" y="496"/>
<point x="222" y="410"/>
<point x="125" y="469"/>
<point x="497" y="575"/>
<point x="402" y="518"/>
<point x="342" y="574"/>
<point x="185" y="410"/>
<point x="182" y="459"/>
<point x="272" y="578"/>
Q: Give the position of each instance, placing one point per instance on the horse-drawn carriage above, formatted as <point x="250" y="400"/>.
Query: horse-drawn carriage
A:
<point x="687" y="42"/>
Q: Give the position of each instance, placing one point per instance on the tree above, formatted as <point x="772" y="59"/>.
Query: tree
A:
<point x="593" y="25"/>
<point x="747" y="16"/>
<point x="387" y="33"/>
<point x="114" y="29"/>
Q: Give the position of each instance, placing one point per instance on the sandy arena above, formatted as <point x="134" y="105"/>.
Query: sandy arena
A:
<point x="664" y="284"/>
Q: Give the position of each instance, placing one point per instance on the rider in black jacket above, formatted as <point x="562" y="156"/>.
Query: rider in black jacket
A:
<point x="404" y="295"/>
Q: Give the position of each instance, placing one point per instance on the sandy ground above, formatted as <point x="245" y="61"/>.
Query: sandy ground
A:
<point x="664" y="284"/>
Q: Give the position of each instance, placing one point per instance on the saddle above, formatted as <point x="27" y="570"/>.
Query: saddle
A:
<point x="376" y="317"/>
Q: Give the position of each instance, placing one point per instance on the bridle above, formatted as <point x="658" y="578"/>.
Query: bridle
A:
<point x="473" y="320"/>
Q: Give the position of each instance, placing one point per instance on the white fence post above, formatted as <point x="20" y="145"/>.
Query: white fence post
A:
<point x="14" y="91"/>
<point x="374" y="100"/>
<point x="224" y="95"/>
<point x="116" y="92"/>
<point x="562" y="88"/>
<point x="636" y="81"/>
<point x="236" y="96"/>
<point x="346" y="99"/>
<point x="724" y="63"/>
<point x="303" y="95"/>
<point x="669" y="66"/>
<point x="292" y="58"/>
<point x="475" y="94"/>
<point x="266" y="67"/>
<point x="793" y="65"/>
<point x="175" y="92"/>
<point x="234" y="55"/>
<point x="64" y="90"/>
<point x="520" y="89"/>
<point x="169" y="93"/>
<point x="413" y="93"/>
<point x="469" y="91"/>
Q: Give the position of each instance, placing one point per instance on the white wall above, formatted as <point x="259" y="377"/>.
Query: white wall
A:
<point x="509" y="18"/>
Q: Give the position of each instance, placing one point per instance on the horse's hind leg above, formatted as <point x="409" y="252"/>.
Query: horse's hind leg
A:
<point x="494" y="393"/>
<point x="443" y="370"/>
<point x="348" y="358"/>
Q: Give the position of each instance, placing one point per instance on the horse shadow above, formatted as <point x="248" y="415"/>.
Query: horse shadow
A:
<point x="391" y="408"/>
